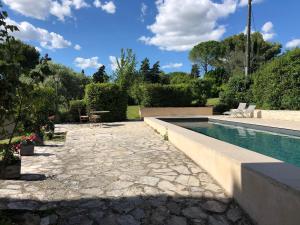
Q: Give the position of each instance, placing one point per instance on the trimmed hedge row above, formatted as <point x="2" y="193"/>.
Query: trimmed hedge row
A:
<point x="157" y="95"/>
<point x="107" y="97"/>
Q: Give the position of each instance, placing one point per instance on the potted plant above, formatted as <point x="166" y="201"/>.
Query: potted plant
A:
<point x="10" y="162"/>
<point x="27" y="145"/>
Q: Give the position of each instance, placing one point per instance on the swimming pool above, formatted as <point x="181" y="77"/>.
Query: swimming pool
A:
<point x="280" y="146"/>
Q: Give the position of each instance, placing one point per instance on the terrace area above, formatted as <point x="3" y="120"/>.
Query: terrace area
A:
<point x="120" y="173"/>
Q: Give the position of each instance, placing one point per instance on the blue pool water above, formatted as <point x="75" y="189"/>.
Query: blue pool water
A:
<point x="278" y="146"/>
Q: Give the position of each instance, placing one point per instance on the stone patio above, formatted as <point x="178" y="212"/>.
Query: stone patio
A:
<point x="121" y="173"/>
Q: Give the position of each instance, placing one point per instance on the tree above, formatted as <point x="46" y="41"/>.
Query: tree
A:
<point x="195" y="72"/>
<point x="145" y="70"/>
<point x="217" y="78"/>
<point x="100" y="76"/>
<point x="155" y="72"/>
<point x="234" y="52"/>
<point x="126" y="72"/>
<point x="206" y="54"/>
<point x="180" y="78"/>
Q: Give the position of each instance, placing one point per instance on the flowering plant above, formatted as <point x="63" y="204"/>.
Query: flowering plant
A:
<point x="29" y="140"/>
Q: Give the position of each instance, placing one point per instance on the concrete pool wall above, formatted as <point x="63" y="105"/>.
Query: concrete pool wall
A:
<point x="268" y="189"/>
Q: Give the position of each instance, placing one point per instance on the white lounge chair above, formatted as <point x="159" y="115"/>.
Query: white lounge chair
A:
<point x="249" y="111"/>
<point x="237" y="111"/>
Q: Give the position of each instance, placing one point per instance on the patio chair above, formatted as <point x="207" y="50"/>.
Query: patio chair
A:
<point x="82" y="118"/>
<point x="249" y="111"/>
<point x="237" y="111"/>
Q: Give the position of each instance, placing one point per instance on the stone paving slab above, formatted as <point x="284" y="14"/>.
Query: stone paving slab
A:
<point x="120" y="173"/>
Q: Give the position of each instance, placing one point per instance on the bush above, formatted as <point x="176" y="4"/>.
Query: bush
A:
<point x="107" y="97"/>
<point x="238" y="89"/>
<point x="157" y="95"/>
<point x="200" y="91"/>
<point x="277" y="84"/>
<point x="76" y="106"/>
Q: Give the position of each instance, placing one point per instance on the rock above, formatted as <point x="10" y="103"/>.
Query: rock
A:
<point x="166" y="185"/>
<point x="151" y="181"/>
<point x="80" y="219"/>
<point x="214" y="206"/>
<point x="187" y="180"/>
<point x="30" y="219"/>
<point x="138" y="214"/>
<point x="217" y="220"/>
<point x="234" y="214"/>
<point x="174" y="208"/>
<point x="127" y="220"/>
<point x="182" y="170"/>
<point x="49" y="220"/>
<point x="28" y="205"/>
<point x="177" y="220"/>
<point x="194" y="213"/>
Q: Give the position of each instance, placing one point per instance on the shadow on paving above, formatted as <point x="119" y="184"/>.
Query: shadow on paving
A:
<point x="154" y="210"/>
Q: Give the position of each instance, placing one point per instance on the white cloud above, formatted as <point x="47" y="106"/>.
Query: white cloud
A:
<point x="144" y="8"/>
<point x="109" y="6"/>
<point x="87" y="63"/>
<point x="41" y="9"/>
<point x="77" y="47"/>
<point x="267" y="31"/>
<point x="245" y="2"/>
<point x="295" y="43"/>
<point x="38" y="49"/>
<point x="28" y="32"/>
<point x="178" y="27"/>
<point x="113" y="63"/>
<point x="172" y="66"/>
<point x="38" y="9"/>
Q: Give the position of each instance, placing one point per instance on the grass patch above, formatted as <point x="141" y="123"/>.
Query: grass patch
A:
<point x="14" y="140"/>
<point x="213" y="101"/>
<point x="133" y="112"/>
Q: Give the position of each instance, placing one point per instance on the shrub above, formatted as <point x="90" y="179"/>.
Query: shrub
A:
<point x="108" y="97"/>
<point x="277" y="84"/>
<point x="238" y="89"/>
<point x="157" y="95"/>
<point x="76" y="106"/>
<point x="200" y="91"/>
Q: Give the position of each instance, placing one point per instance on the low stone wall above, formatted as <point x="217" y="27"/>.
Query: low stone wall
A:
<point x="278" y="115"/>
<point x="267" y="189"/>
<point x="176" y="111"/>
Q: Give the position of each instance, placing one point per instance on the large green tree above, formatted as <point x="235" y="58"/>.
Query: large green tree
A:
<point x="145" y="70"/>
<point x="206" y="54"/>
<point x="234" y="52"/>
<point x="126" y="69"/>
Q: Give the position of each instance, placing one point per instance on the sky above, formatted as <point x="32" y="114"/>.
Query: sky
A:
<point x="84" y="34"/>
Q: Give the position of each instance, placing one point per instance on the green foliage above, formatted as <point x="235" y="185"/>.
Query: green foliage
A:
<point x="39" y="105"/>
<point x="206" y="54"/>
<point x="180" y="78"/>
<point x="77" y="107"/>
<point x="238" y="89"/>
<point x="69" y="84"/>
<point x="277" y="84"/>
<point x="107" y="97"/>
<point x="100" y="76"/>
<point x="145" y="70"/>
<point x="234" y="52"/>
<point x="195" y="72"/>
<point x="216" y="78"/>
<point x="200" y="91"/>
<point x="157" y="95"/>
<point x="125" y="71"/>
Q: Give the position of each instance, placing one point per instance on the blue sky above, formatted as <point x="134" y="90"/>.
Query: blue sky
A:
<point x="162" y="30"/>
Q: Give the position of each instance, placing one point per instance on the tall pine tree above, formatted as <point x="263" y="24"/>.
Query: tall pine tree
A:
<point x="145" y="70"/>
<point x="100" y="76"/>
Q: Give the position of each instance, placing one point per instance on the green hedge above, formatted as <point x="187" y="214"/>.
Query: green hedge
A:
<point x="157" y="95"/>
<point x="107" y="97"/>
<point x="277" y="84"/>
<point x="75" y="107"/>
